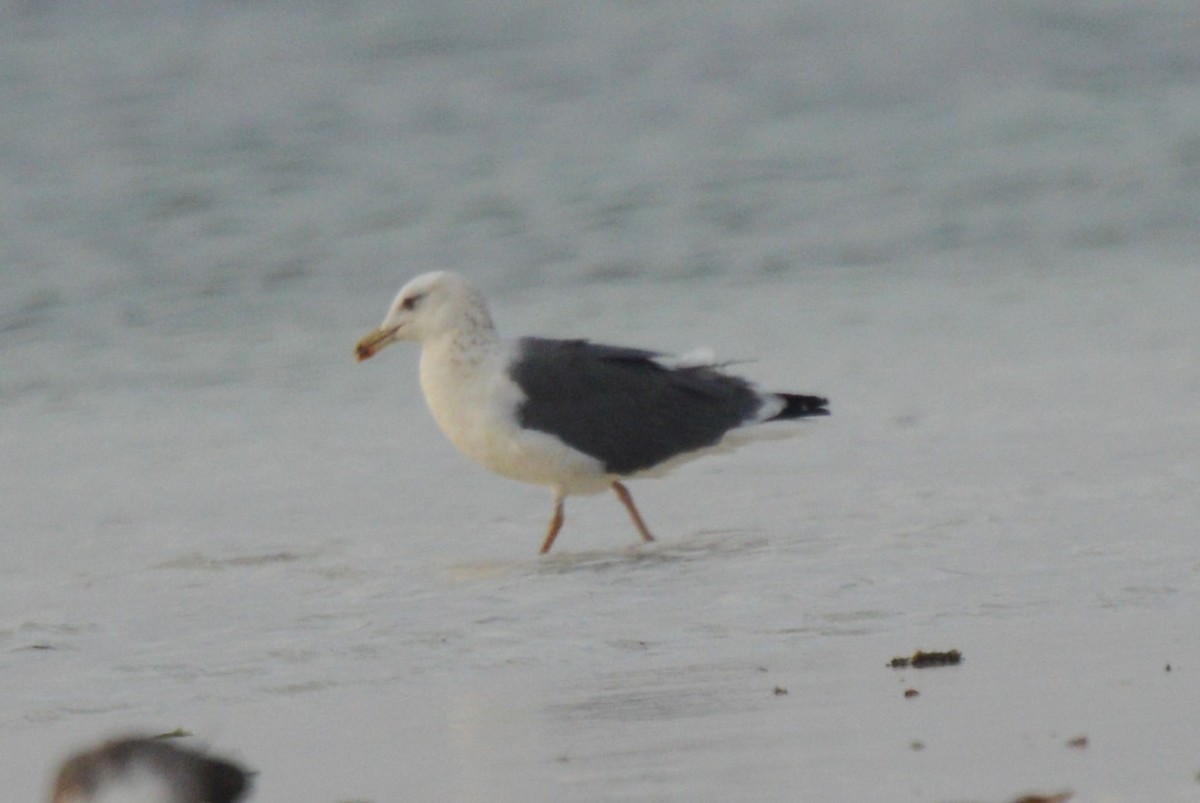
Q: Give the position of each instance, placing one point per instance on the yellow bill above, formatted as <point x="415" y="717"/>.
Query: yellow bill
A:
<point x="372" y="342"/>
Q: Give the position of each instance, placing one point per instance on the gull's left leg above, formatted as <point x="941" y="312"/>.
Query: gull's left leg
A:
<point x="623" y="494"/>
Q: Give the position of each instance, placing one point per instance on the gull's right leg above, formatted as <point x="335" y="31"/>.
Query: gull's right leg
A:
<point x="556" y="523"/>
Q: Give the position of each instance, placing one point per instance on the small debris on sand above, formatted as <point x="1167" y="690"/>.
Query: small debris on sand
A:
<point x="922" y="659"/>
<point x="1079" y="742"/>
<point x="178" y="733"/>
<point x="780" y="691"/>
<point x="1061" y="797"/>
<point x="911" y="693"/>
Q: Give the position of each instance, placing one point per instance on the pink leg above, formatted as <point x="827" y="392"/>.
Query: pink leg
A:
<point x="556" y="523"/>
<point x="623" y="494"/>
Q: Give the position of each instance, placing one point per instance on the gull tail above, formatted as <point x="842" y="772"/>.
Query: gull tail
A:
<point x="797" y="406"/>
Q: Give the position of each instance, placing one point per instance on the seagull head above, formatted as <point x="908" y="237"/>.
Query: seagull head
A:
<point x="431" y="305"/>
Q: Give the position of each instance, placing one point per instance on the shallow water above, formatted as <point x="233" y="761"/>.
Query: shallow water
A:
<point x="973" y="229"/>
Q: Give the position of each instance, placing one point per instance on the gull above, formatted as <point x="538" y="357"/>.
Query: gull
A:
<point x="148" y="769"/>
<point x="574" y="415"/>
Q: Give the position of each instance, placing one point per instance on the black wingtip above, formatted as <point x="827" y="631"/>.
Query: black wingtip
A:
<point x="797" y="406"/>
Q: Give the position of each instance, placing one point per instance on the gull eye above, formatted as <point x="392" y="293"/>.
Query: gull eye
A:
<point x="410" y="303"/>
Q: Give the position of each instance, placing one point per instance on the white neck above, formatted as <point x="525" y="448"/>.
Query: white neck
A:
<point x="454" y="373"/>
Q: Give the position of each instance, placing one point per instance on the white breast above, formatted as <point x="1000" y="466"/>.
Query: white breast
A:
<point x="475" y="403"/>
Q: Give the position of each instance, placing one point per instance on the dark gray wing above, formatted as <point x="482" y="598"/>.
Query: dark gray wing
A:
<point x="622" y="407"/>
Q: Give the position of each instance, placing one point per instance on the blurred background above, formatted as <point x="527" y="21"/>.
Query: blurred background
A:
<point x="171" y="163"/>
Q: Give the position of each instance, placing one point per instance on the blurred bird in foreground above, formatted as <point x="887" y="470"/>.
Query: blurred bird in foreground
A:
<point x="148" y="769"/>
